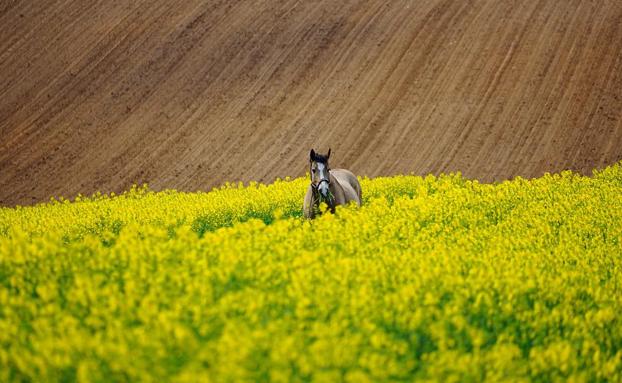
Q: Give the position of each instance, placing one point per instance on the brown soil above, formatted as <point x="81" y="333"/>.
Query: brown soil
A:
<point x="98" y="95"/>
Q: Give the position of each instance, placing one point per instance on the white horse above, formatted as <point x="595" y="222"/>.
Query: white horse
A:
<point x="332" y="187"/>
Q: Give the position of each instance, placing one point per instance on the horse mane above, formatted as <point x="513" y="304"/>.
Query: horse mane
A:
<point x="320" y="158"/>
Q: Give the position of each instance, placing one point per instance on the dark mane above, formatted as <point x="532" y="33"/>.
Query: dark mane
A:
<point x="321" y="158"/>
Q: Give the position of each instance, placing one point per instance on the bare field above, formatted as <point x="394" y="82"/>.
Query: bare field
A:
<point x="97" y="95"/>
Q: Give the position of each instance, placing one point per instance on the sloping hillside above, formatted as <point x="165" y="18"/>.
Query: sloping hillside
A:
<point x="97" y="95"/>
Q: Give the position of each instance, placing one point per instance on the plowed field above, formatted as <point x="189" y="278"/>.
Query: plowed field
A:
<point x="98" y="95"/>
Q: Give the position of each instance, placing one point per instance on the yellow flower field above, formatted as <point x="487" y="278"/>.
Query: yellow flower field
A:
<point x="433" y="279"/>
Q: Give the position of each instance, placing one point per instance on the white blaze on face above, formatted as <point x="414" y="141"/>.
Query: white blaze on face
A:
<point x="322" y="174"/>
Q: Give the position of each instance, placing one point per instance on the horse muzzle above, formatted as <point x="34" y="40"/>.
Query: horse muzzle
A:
<point x="323" y="187"/>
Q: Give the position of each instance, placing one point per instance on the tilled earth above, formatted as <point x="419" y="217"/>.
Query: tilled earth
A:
<point x="98" y="95"/>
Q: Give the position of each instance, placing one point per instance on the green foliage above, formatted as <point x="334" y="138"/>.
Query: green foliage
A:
<point x="433" y="279"/>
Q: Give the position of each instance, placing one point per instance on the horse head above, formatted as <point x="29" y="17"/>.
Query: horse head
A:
<point x="320" y="176"/>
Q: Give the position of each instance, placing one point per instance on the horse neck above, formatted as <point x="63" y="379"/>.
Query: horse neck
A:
<point x="335" y="188"/>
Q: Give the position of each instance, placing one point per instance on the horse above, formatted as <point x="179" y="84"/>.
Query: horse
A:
<point x="330" y="186"/>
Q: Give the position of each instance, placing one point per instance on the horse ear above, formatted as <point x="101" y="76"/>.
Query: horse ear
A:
<point x="312" y="155"/>
<point x="328" y="155"/>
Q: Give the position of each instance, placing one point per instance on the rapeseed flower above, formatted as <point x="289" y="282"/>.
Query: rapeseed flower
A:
<point x="433" y="278"/>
